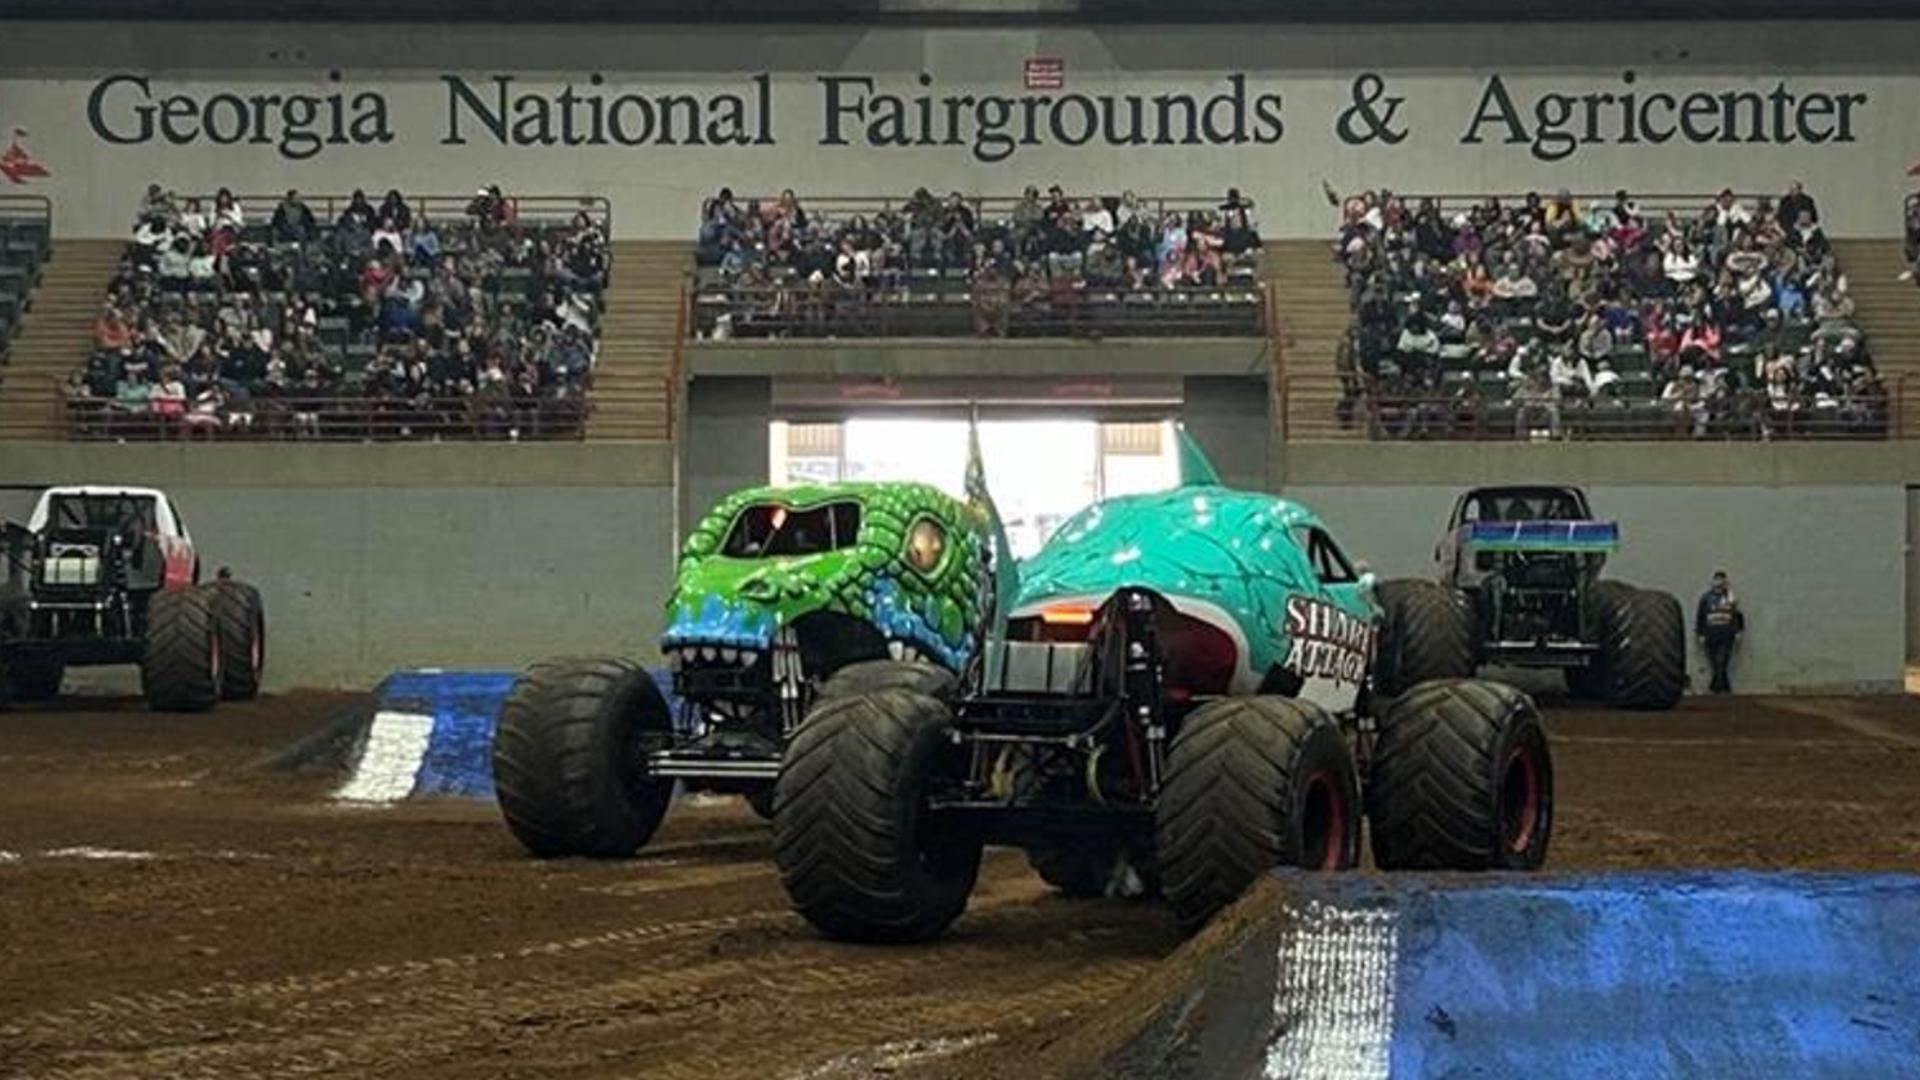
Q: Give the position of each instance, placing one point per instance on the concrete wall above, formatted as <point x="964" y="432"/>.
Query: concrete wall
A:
<point x="726" y="443"/>
<point x="831" y="110"/>
<point x="376" y="557"/>
<point x="1815" y="538"/>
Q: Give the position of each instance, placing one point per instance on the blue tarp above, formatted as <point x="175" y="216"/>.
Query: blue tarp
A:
<point x="463" y="706"/>
<point x="1713" y="975"/>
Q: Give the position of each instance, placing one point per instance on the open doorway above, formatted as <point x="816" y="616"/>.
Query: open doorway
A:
<point x="1040" y="471"/>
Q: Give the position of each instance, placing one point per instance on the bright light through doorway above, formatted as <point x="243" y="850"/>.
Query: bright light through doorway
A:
<point x="1040" y="471"/>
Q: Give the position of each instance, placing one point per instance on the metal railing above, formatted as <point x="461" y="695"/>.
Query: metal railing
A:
<point x="801" y="310"/>
<point x="340" y="417"/>
<point x="1323" y="407"/>
<point x="984" y="207"/>
<point x="331" y="419"/>
<point x="1649" y="202"/>
<point x="327" y="208"/>
<point x="35" y="207"/>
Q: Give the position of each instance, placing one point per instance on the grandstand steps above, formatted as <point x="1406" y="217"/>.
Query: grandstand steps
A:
<point x="55" y="336"/>
<point x="633" y="380"/>
<point x="1311" y="307"/>
<point x="1886" y="308"/>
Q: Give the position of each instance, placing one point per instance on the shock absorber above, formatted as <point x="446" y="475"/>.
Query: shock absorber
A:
<point x="1142" y="683"/>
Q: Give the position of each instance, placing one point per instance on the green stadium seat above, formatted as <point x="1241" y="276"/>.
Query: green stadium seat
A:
<point x="36" y="231"/>
<point x="1631" y="358"/>
<point x="1638" y="386"/>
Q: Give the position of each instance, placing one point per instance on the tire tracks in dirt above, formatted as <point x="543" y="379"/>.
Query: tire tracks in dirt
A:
<point x="637" y="986"/>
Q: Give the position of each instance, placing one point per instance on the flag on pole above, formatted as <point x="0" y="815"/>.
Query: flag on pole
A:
<point x="1006" y="575"/>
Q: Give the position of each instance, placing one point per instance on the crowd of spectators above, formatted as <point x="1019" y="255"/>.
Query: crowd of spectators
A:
<point x="381" y="322"/>
<point x="1551" y="316"/>
<point x="780" y="268"/>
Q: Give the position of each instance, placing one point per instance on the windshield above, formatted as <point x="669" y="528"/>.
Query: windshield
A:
<point x="770" y="529"/>
<point x="114" y="512"/>
<point x="1544" y="505"/>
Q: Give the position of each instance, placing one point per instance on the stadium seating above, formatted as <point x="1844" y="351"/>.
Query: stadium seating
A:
<point x="333" y="318"/>
<point x="978" y="266"/>
<point x="1570" y="316"/>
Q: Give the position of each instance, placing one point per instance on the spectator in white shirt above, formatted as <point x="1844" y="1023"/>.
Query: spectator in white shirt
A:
<point x="389" y="234"/>
<point x="193" y="220"/>
<point x="1727" y="211"/>
<point x="1680" y="264"/>
<point x="227" y="213"/>
<point x="153" y="233"/>
<point x="1603" y="381"/>
<point x="1569" y="378"/>
<point x="1097" y="222"/>
<point x="176" y="262"/>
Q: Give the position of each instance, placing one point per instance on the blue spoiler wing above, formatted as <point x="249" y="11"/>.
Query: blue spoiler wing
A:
<point x="1543" y="535"/>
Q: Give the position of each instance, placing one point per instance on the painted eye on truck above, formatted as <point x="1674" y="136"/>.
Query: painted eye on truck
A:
<point x="926" y="543"/>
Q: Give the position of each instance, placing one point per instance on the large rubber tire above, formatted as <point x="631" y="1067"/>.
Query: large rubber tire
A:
<point x="1461" y="779"/>
<point x="872" y="676"/>
<point x="1427" y="634"/>
<point x="1252" y="783"/>
<point x="242" y="621"/>
<point x="849" y="830"/>
<point x="1643" y="647"/>
<point x="180" y="670"/>
<point x="1592" y="682"/>
<point x="568" y="758"/>
<point x="31" y="683"/>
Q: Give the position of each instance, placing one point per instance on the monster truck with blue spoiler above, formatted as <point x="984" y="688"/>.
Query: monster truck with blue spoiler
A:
<point x="1519" y="585"/>
<point x="1181" y="699"/>
<point x="785" y="597"/>
<point x="108" y="575"/>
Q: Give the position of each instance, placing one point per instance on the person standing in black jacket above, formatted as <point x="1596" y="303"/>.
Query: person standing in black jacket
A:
<point x="1718" y="621"/>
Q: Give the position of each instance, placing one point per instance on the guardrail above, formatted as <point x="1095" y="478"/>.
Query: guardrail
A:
<point x="38" y="207"/>
<point x="801" y="310"/>
<point x="544" y="209"/>
<point x="1321" y="407"/>
<point x="331" y="419"/>
<point x="1648" y="202"/>
<point x="841" y="207"/>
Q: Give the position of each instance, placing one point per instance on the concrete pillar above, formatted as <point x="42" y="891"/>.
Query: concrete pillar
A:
<point x="723" y="442"/>
<point x="1229" y="417"/>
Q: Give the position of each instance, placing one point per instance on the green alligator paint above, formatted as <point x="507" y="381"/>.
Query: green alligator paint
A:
<point x="900" y="569"/>
<point x="1261" y="569"/>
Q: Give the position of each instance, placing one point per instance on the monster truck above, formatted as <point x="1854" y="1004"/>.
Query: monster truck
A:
<point x="1180" y="701"/>
<point x="785" y="597"/>
<point x="108" y="575"/>
<point x="1520" y="586"/>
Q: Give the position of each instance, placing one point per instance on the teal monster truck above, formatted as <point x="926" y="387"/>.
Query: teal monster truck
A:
<point x="1520" y="586"/>
<point x="785" y="598"/>
<point x="1182" y="697"/>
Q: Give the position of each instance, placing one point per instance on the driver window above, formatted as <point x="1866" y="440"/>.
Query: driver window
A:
<point x="1330" y="565"/>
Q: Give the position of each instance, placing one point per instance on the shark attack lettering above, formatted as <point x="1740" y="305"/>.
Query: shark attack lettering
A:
<point x="1326" y="642"/>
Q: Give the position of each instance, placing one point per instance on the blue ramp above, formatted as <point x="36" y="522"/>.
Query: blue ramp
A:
<point x="1735" y="974"/>
<point x="430" y="733"/>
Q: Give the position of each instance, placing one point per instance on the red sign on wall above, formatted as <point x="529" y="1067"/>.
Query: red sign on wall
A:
<point x="1046" y="73"/>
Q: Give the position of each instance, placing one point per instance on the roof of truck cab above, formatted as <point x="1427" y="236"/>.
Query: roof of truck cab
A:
<point x="102" y="489"/>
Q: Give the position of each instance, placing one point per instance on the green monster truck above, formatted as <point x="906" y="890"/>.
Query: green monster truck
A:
<point x="1519" y="586"/>
<point x="786" y="597"/>
<point x="1182" y="698"/>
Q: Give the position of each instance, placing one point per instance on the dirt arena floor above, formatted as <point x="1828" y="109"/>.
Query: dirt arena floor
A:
<point x="165" y="910"/>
